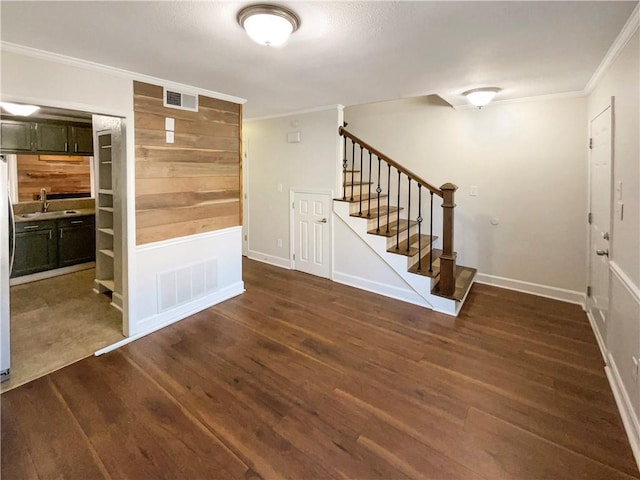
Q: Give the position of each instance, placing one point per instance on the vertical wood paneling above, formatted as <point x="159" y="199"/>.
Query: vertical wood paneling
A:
<point x="192" y="185"/>
<point x="56" y="176"/>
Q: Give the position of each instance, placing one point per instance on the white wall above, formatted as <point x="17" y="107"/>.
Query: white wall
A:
<point x="622" y="81"/>
<point x="276" y="166"/>
<point x="51" y="80"/>
<point x="528" y="160"/>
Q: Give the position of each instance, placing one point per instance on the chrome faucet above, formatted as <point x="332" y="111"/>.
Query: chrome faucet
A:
<point x="43" y="199"/>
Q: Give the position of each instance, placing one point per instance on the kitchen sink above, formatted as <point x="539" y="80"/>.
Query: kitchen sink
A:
<point x="49" y="214"/>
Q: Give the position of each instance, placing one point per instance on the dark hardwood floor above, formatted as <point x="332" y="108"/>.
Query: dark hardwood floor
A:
<point x="302" y="378"/>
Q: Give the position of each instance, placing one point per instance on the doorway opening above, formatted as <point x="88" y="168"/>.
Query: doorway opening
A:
<point x="64" y="180"/>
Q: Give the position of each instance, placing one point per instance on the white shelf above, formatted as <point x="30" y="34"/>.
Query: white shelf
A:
<point x="108" y="284"/>
<point x="105" y="146"/>
<point x="108" y="253"/>
<point x="108" y="231"/>
<point x="106" y="209"/>
<point x="106" y="163"/>
<point x="105" y="191"/>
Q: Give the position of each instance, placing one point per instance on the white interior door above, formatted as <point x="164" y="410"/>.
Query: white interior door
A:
<point x="311" y="233"/>
<point x="600" y="208"/>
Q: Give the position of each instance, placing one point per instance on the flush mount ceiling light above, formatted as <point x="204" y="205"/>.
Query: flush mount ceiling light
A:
<point x="481" y="96"/>
<point x="268" y="25"/>
<point x="19" y="109"/>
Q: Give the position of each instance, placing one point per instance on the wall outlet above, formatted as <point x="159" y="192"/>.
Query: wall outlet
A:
<point x="473" y="190"/>
<point x="280" y="187"/>
<point x="170" y="137"/>
<point x="636" y="367"/>
<point x="279" y="243"/>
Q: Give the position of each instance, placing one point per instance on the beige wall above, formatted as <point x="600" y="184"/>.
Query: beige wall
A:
<point x="529" y="162"/>
<point x="276" y="166"/>
<point x="622" y="334"/>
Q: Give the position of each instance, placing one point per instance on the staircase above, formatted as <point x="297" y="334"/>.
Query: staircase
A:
<point x="388" y="207"/>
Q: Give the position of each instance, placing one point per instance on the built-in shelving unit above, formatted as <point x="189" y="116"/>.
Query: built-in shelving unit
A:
<point x="107" y="227"/>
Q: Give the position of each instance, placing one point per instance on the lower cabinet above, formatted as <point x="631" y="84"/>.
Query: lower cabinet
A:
<point x="36" y="248"/>
<point x="76" y="241"/>
<point x="48" y="244"/>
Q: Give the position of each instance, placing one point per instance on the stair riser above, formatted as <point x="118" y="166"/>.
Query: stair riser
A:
<point x="359" y="189"/>
<point x="355" y="207"/>
<point x="349" y="175"/>
<point x="391" y="244"/>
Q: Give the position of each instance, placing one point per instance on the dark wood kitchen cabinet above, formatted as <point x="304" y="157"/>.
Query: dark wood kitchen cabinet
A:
<point x="81" y="140"/>
<point x="47" y="244"/>
<point x="36" y="248"/>
<point x="76" y="240"/>
<point x="16" y="136"/>
<point x="51" y="138"/>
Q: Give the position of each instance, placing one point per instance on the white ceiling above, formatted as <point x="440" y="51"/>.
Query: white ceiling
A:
<point x="344" y="52"/>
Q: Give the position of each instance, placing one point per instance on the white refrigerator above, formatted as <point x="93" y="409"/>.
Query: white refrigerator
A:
<point x="6" y="256"/>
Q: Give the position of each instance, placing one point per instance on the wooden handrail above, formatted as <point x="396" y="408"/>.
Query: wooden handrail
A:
<point x="345" y="133"/>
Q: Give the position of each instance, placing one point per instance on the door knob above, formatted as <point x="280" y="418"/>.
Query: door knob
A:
<point x="602" y="252"/>
<point x="324" y="220"/>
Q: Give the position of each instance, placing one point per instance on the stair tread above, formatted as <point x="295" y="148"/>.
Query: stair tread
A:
<point x="374" y="212"/>
<point x="464" y="279"/>
<point x="357" y="183"/>
<point x="424" y="264"/>
<point x="425" y="240"/>
<point x="393" y="228"/>
<point x="356" y="198"/>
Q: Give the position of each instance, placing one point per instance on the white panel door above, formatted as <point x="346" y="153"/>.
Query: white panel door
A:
<point x="312" y="241"/>
<point x="600" y="208"/>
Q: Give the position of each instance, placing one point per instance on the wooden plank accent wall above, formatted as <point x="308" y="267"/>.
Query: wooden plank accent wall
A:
<point x="54" y="175"/>
<point x="193" y="185"/>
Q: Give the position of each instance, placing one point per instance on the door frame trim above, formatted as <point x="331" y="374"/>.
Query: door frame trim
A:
<point x="292" y="237"/>
<point x="587" y="304"/>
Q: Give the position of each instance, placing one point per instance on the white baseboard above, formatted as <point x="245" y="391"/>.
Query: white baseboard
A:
<point x="270" y="259"/>
<point x="569" y="296"/>
<point x="627" y="412"/>
<point x="34" y="277"/>
<point x="402" y="294"/>
<point x="161" y="320"/>
<point x="599" y="339"/>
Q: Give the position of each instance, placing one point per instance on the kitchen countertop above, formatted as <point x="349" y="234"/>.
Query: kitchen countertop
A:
<point x="38" y="216"/>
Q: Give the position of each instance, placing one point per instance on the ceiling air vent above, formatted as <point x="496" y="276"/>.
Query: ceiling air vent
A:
<point x="183" y="101"/>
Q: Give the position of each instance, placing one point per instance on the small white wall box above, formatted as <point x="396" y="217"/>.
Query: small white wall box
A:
<point x="170" y="124"/>
<point x="293" y="137"/>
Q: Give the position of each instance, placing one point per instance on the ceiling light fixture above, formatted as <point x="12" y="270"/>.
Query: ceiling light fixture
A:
<point x="19" y="109"/>
<point x="268" y="25"/>
<point x="481" y="96"/>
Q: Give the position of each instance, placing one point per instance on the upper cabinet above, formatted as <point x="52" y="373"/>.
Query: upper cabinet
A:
<point x="16" y="136"/>
<point x="51" y="138"/>
<point x="46" y="138"/>
<point x="81" y="140"/>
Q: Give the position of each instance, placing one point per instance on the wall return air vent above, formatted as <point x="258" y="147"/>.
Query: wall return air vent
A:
<point x="180" y="100"/>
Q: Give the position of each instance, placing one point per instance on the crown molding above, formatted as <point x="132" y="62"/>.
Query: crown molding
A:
<point x="118" y="72"/>
<point x="620" y="42"/>
<point x="336" y="106"/>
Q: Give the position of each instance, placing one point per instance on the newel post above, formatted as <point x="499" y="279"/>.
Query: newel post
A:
<point x="448" y="258"/>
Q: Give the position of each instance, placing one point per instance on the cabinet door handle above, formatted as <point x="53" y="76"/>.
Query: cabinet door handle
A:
<point x="30" y="227"/>
<point x="75" y="148"/>
<point x="75" y="222"/>
<point x="49" y="234"/>
<point x="66" y="146"/>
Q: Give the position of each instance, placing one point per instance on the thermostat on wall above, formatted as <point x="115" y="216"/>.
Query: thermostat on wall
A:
<point x="293" y="137"/>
